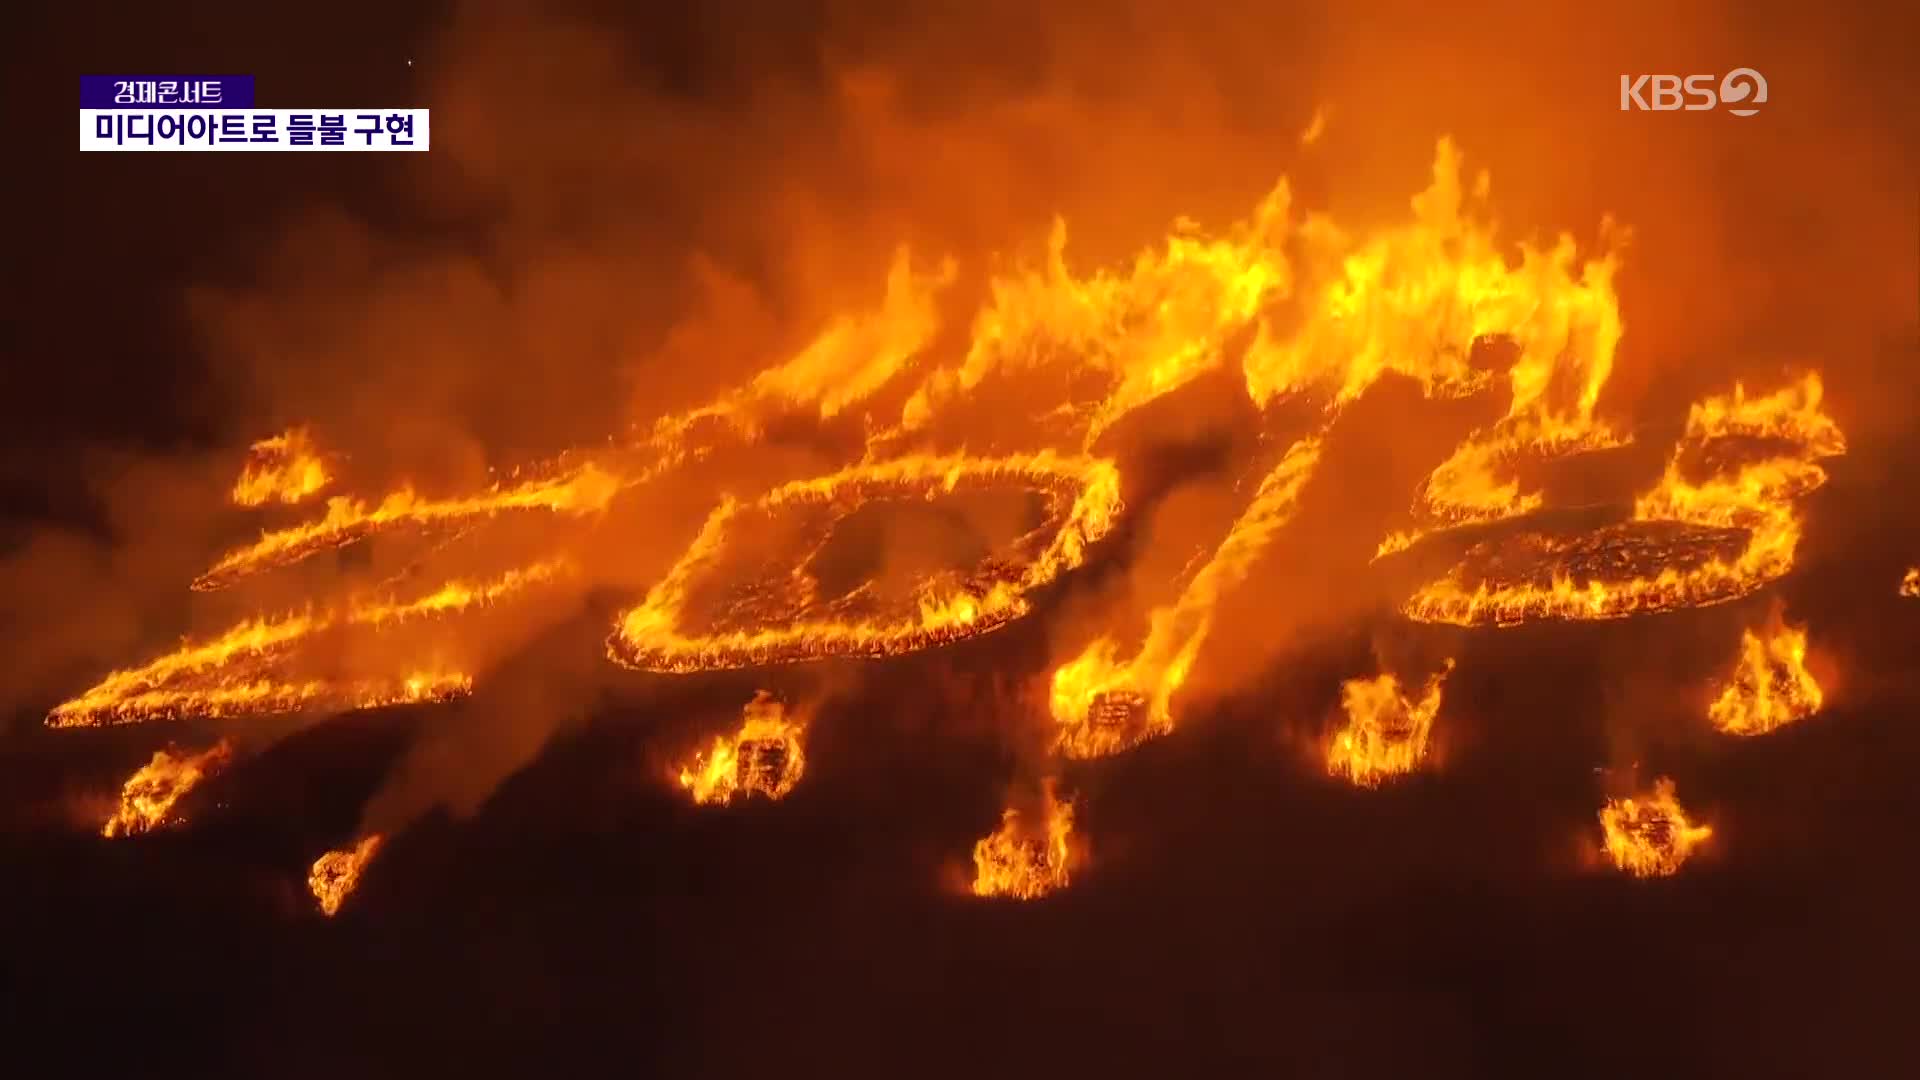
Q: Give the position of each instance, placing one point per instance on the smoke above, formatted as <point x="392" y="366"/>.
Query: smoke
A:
<point x="620" y="220"/>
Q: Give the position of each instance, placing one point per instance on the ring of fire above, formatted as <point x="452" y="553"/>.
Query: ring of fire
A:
<point x="1082" y="498"/>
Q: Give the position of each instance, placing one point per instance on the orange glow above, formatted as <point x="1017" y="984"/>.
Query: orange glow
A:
<point x="1910" y="585"/>
<point x="765" y="757"/>
<point x="335" y="874"/>
<point x="285" y="468"/>
<point x="1026" y="860"/>
<point x="1770" y="685"/>
<point x="1387" y="731"/>
<point x="1649" y="835"/>
<point x="147" y="798"/>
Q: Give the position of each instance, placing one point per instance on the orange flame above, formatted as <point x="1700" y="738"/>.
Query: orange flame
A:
<point x="1386" y="732"/>
<point x="147" y="798"/>
<point x="285" y="468"/>
<point x="335" y="874"/>
<point x="1023" y="862"/>
<point x="1650" y="836"/>
<point x="1085" y="494"/>
<point x="230" y="675"/>
<point x="1755" y="496"/>
<point x="1770" y="685"/>
<point x="1910" y="585"/>
<point x="764" y="757"/>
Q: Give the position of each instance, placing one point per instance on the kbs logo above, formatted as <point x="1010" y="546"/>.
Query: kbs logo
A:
<point x="1695" y="93"/>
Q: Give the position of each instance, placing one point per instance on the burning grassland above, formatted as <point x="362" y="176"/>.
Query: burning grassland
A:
<point x="287" y="468"/>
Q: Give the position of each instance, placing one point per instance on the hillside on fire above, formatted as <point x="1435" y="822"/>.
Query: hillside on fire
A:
<point x="824" y="537"/>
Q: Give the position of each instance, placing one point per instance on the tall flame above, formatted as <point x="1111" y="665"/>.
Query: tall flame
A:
<point x="1770" y="685"/>
<point x="285" y="468"/>
<point x="335" y="874"/>
<point x="1387" y="731"/>
<point x="1026" y="860"/>
<point x="1649" y="835"/>
<point x="148" y="796"/>
<point x="765" y="757"/>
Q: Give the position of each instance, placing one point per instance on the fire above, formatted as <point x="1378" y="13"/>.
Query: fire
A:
<point x="1910" y="585"/>
<point x="1387" y="731"/>
<point x="286" y="468"/>
<point x="1103" y="704"/>
<point x="1650" y="836"/>
<point x="1753" y="499"/>
<point x="1084" y="494"/>
<point x="764" y="757"/>
<point x="148" y="796"/>
<point x="233" y="674"/>
<point x="1024" y="860"/>
<point x="1770" y="685"/>
<point x="585" y="489"/>
<point x="335" y="874"/>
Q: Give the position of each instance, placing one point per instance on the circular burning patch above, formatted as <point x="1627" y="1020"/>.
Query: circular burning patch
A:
<point x="757" y="588"/>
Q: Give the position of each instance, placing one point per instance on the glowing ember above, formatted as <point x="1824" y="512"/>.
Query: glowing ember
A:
<point x="1387" y="731"/>
<point x="335" y="874"/>
<point x="1786" y="433"/>
<point x="1770" y="685"/>
<point x="147" y="798"/>
<point x="1084" y="494"/>
<point x="1650" y="836"/>
<point x="1026" y="860"/>
<point x="764" y="757"/>
<point x="1910" y="585"/>
<point x="286" y="468"/>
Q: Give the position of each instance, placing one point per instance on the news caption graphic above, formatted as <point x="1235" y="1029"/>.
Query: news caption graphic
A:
<point x="216" y="112"/>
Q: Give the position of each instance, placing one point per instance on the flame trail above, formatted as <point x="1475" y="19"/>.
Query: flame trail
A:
<point x="1085" y="494"/>
<point x="335" y="874"/>
<point x="1650" y="836"/>
<point x="1025" y="862"/>
<point x="285" y="468"/>
<point x="1103" y="705"/>
<point x="1387" y="731"/>
<point x="1754" y="498"/>
<point x="1770" y="685"/>
<point x="232" y="674"/>
<point x="147" y="798"/>
<point x="764" y="757"/>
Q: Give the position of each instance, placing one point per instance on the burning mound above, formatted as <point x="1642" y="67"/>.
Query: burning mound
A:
<point x="781" y="616"/>
<point x="764" y="757"/>
<point x="335" y="874"/>
<point x="148" y="796"/>
<point x="1770" y="685"/>
<point x="1026" y="859"/>
<point x="1387" y="731"/>
<point x="1650" y="836"/>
